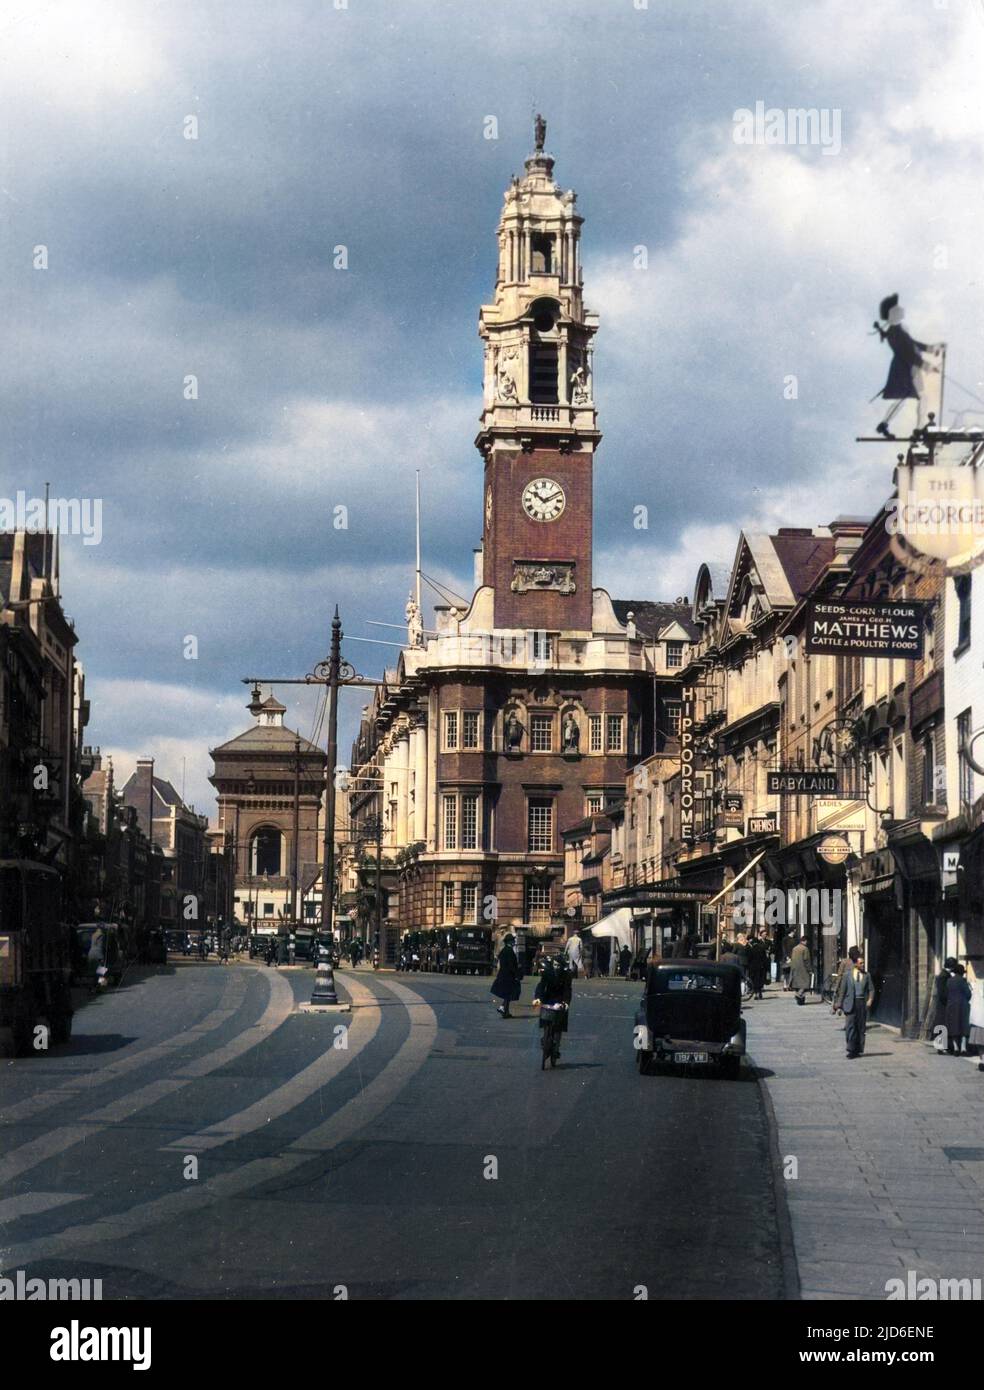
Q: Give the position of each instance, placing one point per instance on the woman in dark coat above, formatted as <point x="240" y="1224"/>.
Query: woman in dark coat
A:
<point x="507" y="985"/>
<point x="940" y="985"/>
<point x="958" y="994"/>
<point x="758" y="966"/>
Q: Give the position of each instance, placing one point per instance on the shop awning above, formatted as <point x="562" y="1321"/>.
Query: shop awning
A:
<point x="617" y="924"/>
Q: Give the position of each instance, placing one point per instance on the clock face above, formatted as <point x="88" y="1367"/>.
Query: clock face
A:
<point x="543" y="499"/>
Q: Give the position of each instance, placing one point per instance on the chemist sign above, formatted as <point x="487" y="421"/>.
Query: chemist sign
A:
<point x="865" y="629"/>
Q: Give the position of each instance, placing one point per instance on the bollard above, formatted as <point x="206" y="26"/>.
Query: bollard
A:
<point x="324" y="985"/>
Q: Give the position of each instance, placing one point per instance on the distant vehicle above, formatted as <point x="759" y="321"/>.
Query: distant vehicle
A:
<point x="691" y="1016"/>
<point x="472" y="948"/>
<point x="35" y="954"/>
<point x="100" y="944"/>
<point x="304" y="944"/>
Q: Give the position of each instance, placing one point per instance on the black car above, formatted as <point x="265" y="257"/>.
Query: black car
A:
<point x="691" y="1016"/>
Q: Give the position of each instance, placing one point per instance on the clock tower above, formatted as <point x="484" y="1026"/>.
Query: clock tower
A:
<point x="539" y="429"/>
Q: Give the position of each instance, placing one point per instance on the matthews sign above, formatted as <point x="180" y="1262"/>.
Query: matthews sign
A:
<point x="865" y="629"/>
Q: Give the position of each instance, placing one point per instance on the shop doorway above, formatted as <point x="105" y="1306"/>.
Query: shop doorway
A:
<point x="883" y="937"/>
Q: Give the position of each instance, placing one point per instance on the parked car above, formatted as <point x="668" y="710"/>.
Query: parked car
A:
<point x="472" y="951"/>
<point x="35" y="954"/>
<point x="100" y="944"/>
<point x="691" y="1016"/>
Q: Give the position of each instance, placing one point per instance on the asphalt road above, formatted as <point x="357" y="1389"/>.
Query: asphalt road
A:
<point x="199" y="1139"/>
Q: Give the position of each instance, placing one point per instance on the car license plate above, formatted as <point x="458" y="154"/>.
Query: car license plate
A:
<point x="684" y="1057"/>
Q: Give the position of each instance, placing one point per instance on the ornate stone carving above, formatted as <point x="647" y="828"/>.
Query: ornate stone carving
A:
<point x="556" y="577"/>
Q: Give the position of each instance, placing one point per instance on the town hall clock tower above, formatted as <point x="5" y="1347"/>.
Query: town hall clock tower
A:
<point x="538" y="428"/>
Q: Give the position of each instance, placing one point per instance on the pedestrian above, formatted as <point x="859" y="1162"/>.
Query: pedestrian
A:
<point x="800" y="970"/>
<point x="855" y="996"/>
<point x="624" y="962"/>
<point x="958" y="995"/>
<point x="758" y="965"/>
<point x="729" y="956"/>
<point x="843" y="964"/>
<point x="282" y="951"/>
<point x="575" y="954"/>
<point x="939" y="995"/>
<point x="506" y="985"/>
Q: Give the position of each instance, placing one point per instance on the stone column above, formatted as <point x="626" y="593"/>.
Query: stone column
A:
<point x="403" y="786"/>
<point x="419" y="746"/>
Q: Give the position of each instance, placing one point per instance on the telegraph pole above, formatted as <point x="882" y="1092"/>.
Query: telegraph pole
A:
<point x="296" y="830"/>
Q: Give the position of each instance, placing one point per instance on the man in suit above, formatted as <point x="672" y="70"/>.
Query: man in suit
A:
<point x="855" y="996"/>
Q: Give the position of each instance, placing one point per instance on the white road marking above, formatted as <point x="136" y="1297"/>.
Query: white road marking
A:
<point x="36" y="1151"/>
<point x="29" y="1203"/>
<point x="230" y="1002"/>
<point x="247" y="1177"/>
<point x="331" y="1063"/>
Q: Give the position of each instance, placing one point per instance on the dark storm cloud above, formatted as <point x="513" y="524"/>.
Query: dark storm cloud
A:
<point x="320" y="387"/>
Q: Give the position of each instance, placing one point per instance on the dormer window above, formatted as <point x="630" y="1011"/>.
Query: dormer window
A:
<point x="542" y="254"/>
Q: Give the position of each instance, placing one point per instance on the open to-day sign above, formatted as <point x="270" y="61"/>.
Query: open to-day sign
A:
<point x="795" y="783"/>
<point x="869" y="629"/>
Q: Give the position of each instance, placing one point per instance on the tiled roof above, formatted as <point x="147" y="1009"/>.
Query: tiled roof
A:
<point x="652" y="618"/>
<point x="266" y="738"/>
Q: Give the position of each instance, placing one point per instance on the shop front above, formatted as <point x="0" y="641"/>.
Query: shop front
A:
<point x="880" y="902"/>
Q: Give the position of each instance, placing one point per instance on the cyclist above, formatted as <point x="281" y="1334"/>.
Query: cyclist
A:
<point x="553" y="998"/>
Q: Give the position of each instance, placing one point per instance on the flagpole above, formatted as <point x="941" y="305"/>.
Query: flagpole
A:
<point x="419" y="609"/>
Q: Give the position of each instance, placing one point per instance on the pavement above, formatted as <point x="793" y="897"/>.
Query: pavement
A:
<point x="883" y="1155"/>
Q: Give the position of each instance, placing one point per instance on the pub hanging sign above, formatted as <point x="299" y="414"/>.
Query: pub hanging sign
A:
<point x="893" y="629"/>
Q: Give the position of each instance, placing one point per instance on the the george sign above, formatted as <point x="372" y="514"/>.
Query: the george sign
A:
<point x="795" y="783"/>
<point x="763" y="825"/>
<point x="688" y="784"/>
<point x="940" y="510"/>
<point x="893" y="629"/>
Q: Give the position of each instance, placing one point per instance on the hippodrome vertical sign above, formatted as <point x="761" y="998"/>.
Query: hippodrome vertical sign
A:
<point x="688" y="714"/>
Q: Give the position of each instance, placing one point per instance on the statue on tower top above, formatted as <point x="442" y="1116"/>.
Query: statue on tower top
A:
<point x="539" y="132"/>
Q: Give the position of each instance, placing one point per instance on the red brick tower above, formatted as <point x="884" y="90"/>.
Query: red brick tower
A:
<point x="539" y="429"/>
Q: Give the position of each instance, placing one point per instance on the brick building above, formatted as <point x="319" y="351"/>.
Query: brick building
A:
<point x="259" y="777"/>
<point x="524" y="710"/>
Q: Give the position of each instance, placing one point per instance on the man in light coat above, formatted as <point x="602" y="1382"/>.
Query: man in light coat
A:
<point x="574" y="954"/>
<point x="855" y="996"/>
<point x="800" y="970"/>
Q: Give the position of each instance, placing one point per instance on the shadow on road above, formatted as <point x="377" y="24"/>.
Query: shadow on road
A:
<point x="83" y="1044"/>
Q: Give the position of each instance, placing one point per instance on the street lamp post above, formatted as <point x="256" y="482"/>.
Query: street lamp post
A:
<point x="333" y="673"/>
<point x="373" y="828"/>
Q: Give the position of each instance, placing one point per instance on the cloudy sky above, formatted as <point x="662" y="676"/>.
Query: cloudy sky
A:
<point x="363" y="124"/>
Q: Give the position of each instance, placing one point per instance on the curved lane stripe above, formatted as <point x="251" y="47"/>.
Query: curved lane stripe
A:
<point x="231" y="1000"/>
<point x="361" y="1030"/>
<point x="56" y="1141"/>
<point x="356" y="1113"/>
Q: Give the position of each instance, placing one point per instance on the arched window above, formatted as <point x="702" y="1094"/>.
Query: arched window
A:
<point x="266" y="851"/>
<point x="544" y="345"/>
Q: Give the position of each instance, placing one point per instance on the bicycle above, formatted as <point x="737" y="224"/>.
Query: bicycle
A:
<point x="551" y="1024"/>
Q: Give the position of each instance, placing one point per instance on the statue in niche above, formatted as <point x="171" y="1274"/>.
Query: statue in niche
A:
<point x="514" y="732"/>
<point x="580" y="394"/>
<point x="571" y="733"/>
